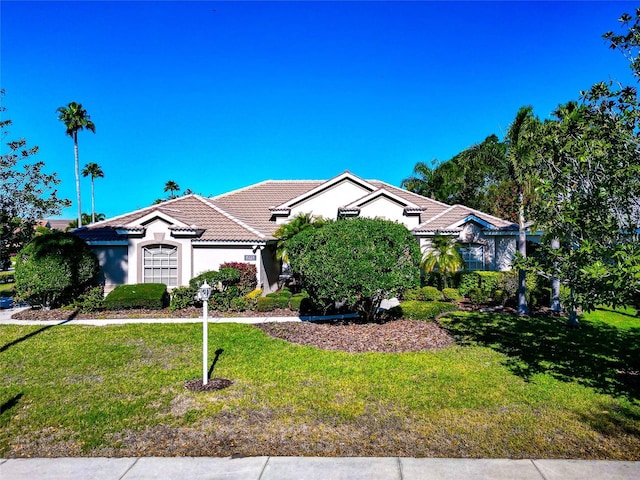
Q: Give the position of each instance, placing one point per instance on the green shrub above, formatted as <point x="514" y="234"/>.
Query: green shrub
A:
<point x="451" y="294"/>
<point x="417" y="310"/>
<point x="430" y="294"/>
<point x="142" y="295"/>
<point x="280" y="300"/>
<point x="92" y="300"/>
<point x="468" y="281"/>
<point x="356" y="262"/>
<point x="490" y="281"/>
<point x="239" y="304"/>
<point x="412" y="294"/>
<point x="266" y="304"/>
<point x="296" y="300"/>
<point x="7" y="277"/>
<point x="182" y="297"/>
<point x="500" y="296"/>
<point x="54" y="269"/>
<point x="478" y="296"/>
<point x="247" y="279"/>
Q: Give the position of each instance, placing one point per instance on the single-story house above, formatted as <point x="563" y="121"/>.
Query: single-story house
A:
<point x="174" y="241"/>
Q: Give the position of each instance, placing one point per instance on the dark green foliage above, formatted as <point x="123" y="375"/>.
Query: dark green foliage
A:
<point x="417" y="310"/>
<point x="182" y="297"/>
<point x="266" y="304"/>
<point x="478" y="296"/>
<point x="92" y="300"/>
<point x="54" y="269"/>
<point x="357" y="262"/>
<point x="451" y="294"/>
<point x="153" y="296"/>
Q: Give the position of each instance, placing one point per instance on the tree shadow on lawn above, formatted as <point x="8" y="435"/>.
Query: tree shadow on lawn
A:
<point x="596" y="354"/>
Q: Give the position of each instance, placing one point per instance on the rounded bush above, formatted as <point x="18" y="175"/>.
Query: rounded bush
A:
<point x="451" y="294"/>
<point x="417" y="310"/>
<point x="182" y="297"/>
<point x="430" y="294"/>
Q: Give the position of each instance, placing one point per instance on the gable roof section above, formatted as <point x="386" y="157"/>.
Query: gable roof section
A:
<point x="453" y="218"/>
<point x="191" y="212"/>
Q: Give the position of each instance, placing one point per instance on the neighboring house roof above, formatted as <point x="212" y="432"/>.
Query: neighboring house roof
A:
<point x="248" y="214"/>
<point x="55" y="224"/>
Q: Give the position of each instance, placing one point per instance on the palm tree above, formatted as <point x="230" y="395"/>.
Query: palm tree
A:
<point x="421" y="181"/>
<point x="521" y="140"/>
<point x="442" y="255"/>
<point x="171" y="186"/>
<point x="95" y="171"/>
<point x="76" y="118"/>
<point x="288" y="230"/>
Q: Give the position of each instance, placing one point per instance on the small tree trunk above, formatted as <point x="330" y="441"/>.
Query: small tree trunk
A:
<point x="573" y="315"/>
<point x="93" y="203"/>
<point x="523" y="308"/>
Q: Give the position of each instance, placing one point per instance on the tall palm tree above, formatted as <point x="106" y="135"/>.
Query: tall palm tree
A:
<point x="171" y="186"/>
<point x="93" y="170"/>
<point x="76" y="118"/>
<point x="521" y="140"/>
<point x="442" y="255"/>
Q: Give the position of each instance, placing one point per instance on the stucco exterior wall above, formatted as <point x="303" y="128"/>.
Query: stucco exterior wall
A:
<point x="210" y="257"/>
<point x="327" y="203"/>
<point x="389" y="210"/>
<point x="114" y="265"/>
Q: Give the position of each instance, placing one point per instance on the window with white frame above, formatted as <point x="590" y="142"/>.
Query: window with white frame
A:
<point x="473" y="256"/>
<point x="160" y="264"/>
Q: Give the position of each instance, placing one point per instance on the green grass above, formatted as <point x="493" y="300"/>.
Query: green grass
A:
<point x="118" y="390"/>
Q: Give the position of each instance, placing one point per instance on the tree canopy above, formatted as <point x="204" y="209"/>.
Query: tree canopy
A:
<point x="27" y="194"/>
<point x="355" y="262"/>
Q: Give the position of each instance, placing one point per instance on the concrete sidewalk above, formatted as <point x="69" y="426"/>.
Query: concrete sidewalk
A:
<point x="312" y="468"/>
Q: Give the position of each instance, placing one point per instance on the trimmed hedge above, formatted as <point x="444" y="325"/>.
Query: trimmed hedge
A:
<point x="417" y="310"/>
<point x="280" y="299"/>
<point x="451" y="294"/>
<point x="430" y="294"/>
<point x="142" y="295"/>
<point x="266" y="304"/>
<point x="296" y="301"/>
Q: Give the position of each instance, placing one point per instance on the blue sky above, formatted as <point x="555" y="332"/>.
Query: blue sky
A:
<point x="220" y="95"/>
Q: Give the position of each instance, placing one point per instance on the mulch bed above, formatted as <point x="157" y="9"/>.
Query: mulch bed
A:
<point x="196" y="384"/>
<point x="391" y="337"/>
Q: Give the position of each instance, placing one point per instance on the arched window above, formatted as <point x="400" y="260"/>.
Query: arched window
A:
<point x="160" y="264"/>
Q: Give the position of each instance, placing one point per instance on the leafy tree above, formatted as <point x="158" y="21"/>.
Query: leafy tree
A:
<point x="54" y="269"/>
<point x="76" y="118"/>
<point x="94" y="171"/>
<point x="589" y="197"/>
<point x="356" y="262"/>
<point x="171" y="187"/>
<point x="628" y="40"/>
<point x="27" y="194"/>
<point x="443" y="256"/>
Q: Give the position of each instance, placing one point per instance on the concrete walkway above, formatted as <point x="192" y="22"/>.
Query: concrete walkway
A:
<point x="312" y="468"/>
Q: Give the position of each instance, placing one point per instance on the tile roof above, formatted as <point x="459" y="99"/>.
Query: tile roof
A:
<point x="245" y="215"/>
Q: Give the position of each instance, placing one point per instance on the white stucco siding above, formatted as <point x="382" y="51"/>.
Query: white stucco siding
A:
<point x="114" y="265"/>
<point x="210" y="257"/>
<point x="326" y="203"/>
<point x="383" y="207"/>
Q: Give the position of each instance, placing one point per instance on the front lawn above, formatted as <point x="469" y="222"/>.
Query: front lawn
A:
<point x="518" y="388"/>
